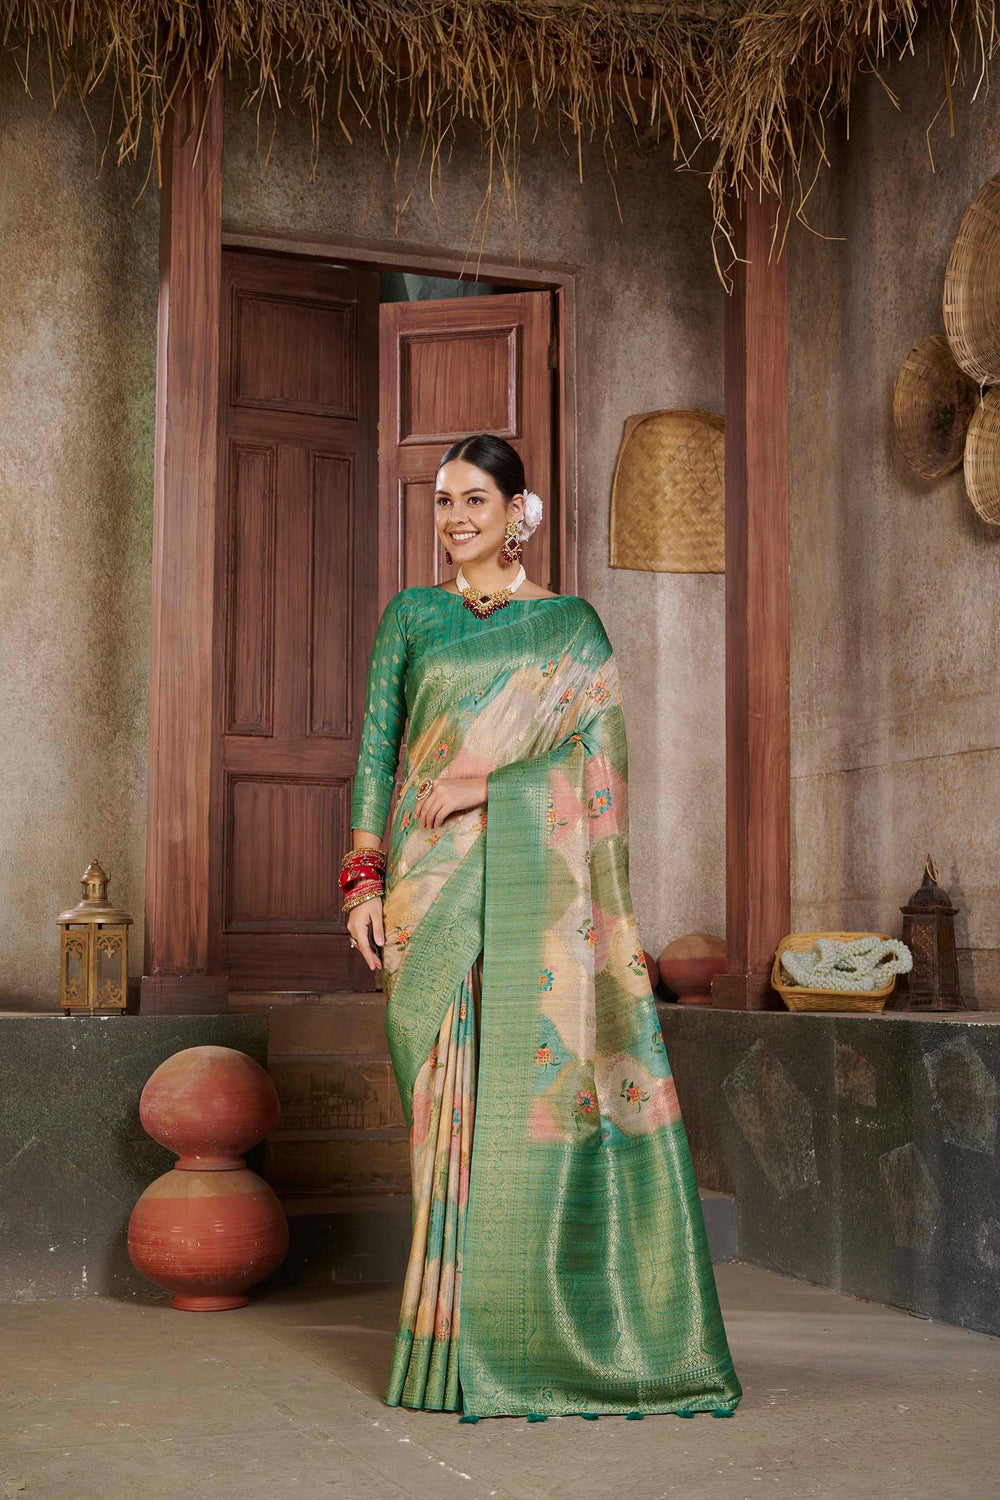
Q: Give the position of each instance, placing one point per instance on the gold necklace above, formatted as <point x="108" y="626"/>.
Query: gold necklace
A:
<point x="483" y="605"/>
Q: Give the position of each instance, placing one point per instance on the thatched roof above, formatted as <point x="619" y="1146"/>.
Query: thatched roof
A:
<point x="740" y="88"/>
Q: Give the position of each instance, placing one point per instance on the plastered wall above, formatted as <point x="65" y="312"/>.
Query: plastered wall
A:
<point x="895" y="599"/>
<point x="78" y="258"/>
<point x="78" y="288"/>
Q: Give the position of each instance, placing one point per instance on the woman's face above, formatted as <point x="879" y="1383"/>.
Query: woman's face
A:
<point x="470" y="512"/>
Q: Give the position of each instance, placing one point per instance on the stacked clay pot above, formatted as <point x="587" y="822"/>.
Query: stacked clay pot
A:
<point x="209" y="1229"/>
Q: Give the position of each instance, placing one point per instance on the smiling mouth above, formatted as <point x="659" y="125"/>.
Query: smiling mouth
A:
<point x="462" y="536"/>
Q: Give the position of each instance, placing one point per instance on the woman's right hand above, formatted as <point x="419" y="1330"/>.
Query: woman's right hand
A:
<point x="364" y="923"/>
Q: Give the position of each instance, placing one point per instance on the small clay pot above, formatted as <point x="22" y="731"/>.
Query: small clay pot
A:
<point x="207" y="1237"/>
<point x="652" y="969"/>
<point x="209" y="1105"/>
<point x="688" y="964"/>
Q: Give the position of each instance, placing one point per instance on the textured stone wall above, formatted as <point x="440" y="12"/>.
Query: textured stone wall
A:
<point x="861" y="1150"/>
<point x="78" y="258"/>
<point x="895" y="626"/>
<point x="73" y="1153"/>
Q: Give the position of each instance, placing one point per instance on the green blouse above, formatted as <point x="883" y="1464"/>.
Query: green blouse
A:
<point x="416" y="621"/>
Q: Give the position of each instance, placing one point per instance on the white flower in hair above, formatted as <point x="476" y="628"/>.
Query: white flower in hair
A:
<point x="532" y="517"/>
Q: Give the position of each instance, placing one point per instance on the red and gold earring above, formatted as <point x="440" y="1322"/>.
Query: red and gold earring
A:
<point x="510" y="552"/>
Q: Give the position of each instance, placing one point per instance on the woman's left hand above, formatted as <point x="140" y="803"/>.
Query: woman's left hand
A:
<point x="450" y="794"/>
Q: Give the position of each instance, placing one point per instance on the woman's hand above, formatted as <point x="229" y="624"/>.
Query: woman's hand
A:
<point x="364" y="923"/>
<point x="450" y="794"/>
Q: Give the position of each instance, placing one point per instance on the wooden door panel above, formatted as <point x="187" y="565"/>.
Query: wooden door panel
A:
<point x="449" y="369"/>
<point x="297" y="568"/>
<point x="421" y="558"/>
<point x="250" y="593"/>
<point x="291" y="354"/>
<point x="286" y="837"/>
<point x="330" y="667"/>
<point x="465" y="382"/>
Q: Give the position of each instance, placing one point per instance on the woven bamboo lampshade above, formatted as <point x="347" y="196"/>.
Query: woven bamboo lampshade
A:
<point x="972" y="288"/>
<point x="982" y="458"/>
<point x="668" y="494"/>
<point x="932" y="406"/>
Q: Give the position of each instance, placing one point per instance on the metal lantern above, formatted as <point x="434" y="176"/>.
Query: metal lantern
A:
<point x="94" y="970"/>
<point x="929" y="933"/>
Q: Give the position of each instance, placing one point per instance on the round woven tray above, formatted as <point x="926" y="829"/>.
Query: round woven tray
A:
<point x="932" y="406"/>
<point x="972" y="288"/>
<point x="982" y="458"/>
<point x="668" y="494"/>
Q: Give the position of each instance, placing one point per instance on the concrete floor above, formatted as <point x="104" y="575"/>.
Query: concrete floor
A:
<point x="105" y="1400"/>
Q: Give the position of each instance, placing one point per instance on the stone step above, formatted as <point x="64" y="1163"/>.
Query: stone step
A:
<point x="249" y="1000"/>
<point x="300" y="1205"/>
<point x="312" y="1024"/>
<point x="335" y="1092"/>
<point x="351" y="1239"/>
<point x="335" y="1166"/>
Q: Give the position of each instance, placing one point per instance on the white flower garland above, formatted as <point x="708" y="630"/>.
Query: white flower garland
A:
<point x="859" y="964"/>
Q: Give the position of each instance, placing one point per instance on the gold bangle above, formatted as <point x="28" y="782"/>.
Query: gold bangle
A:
<point x="357" y="897"/>
<point x="378" y="855"/>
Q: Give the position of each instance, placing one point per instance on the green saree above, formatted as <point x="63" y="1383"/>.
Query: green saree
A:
<point x="559" y="1262"/>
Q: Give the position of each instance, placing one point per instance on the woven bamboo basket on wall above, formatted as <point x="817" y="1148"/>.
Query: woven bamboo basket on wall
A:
<point x="798" y="997"/>
<point x="932" y="407"/>
<point x="668" y="494"/>
<point x="971" y="301"/>
<point x="982" y="458"/>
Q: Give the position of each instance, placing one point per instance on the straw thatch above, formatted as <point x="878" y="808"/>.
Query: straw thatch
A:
<point x="745" y="90"/>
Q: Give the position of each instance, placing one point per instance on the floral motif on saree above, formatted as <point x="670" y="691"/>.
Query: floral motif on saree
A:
<point x="559" y="1261"/>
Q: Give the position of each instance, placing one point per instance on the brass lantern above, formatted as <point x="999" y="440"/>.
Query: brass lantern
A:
<point x="94" y="970"/>
<point x="929" y="933"/>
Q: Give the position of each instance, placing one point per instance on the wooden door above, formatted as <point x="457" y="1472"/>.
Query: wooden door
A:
<point x="296" y="585"/>
<point x="448" y="369"/>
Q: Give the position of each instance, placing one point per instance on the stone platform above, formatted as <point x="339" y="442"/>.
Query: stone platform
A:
<point x="73" y="1156"/>
<point x="861" y="1149"/>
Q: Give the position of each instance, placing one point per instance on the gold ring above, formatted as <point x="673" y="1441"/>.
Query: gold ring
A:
<point x="424" y="788"/>
<point x="353" y="943"/>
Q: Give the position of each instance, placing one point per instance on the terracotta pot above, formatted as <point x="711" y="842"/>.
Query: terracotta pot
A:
<point x="652" y="969"/>
<point x="209" y="1104"/>
<point x="207" y="1236"/>
<point x="209" y="1229"/>
<point x="687" y="966"/>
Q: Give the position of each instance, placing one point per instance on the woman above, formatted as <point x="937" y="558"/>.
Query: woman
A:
<point x="558" y="1262"/>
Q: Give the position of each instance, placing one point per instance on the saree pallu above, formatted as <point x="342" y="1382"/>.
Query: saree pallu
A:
<point x="559" y="1261"/>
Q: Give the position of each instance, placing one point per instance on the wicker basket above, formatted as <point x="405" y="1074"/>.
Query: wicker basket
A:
<point x="982" y="459"/>
<point x="797" y="997"/>
<point x="971" y="301"/>
<point x="668" y="494"/>
<point x="932" y="406"/>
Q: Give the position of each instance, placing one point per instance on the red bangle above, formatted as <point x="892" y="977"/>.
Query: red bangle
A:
<point x="360" y="865"/>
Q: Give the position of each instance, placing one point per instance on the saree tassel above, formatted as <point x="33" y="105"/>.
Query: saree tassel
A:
<point x="537" y="1416"/>
<point x="684" y="1413"/>
<point x="589" y="1416"/>
<point x="723" y="1412"/>
<point x="468" y="1418"/>
<point x="634" y="1416"/>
